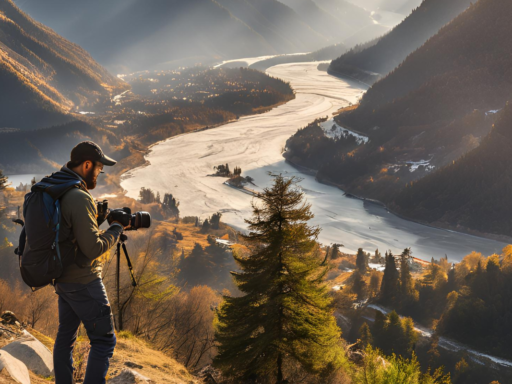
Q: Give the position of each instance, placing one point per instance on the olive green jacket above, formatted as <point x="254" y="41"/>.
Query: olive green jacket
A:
<point x="80" y="239"/>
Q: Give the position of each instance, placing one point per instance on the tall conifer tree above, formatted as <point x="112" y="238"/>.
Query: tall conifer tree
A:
<point x="285" y="312"/>
<point x="406" y="282"/>
<point x="361" y="262"/>
<point x="390" y="286"/>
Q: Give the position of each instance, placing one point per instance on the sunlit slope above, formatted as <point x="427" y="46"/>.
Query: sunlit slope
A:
<point x="45" y="75"/>
<point x="140" y="34"/>
<point x="382" y="56"/>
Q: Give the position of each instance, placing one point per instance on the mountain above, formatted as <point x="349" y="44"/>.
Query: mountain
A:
<point x="440" y="103"/>
<point x="382" y="56"/>
<point x="320" y="20"/>
<point x="399" y="6"/>
<point x="279" y="25"/>
<point x="47" y="76"/>
<point x="473" y="192"/>
<point x="140" y="34"/>
<point x="427" y="99"/>
<point x="350" y="14"/>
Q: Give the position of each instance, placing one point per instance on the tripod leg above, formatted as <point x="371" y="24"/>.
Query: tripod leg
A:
<point x="130" y="267"/>
<point x="118" y="257"/>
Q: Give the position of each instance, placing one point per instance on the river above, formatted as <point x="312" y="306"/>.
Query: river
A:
<point x="180" y="166"/>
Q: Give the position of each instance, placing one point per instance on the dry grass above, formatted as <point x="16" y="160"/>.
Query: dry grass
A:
<point x="156" y="365"/>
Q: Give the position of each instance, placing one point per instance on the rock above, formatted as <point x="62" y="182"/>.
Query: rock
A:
<point x="131" y="364"/>
<point x="129" y="376"/>
<point x="32" y="353"/>
<point x="9" y="318"/>
<point x="14" y="367"/>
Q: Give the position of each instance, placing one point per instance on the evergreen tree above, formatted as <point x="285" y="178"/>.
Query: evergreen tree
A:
<point x="215" y="220"/>
<point x="406" y="282"/>
<point x="358" y="285"/>
<point x="170" y="204"/>
<point x="335" y="252"/>
<point x="285" y="310"/>
<point x="206" y="226"/>
<point x="365" y="335"/>
<point x="389" y="288"/>
<point x="361" y="261"/>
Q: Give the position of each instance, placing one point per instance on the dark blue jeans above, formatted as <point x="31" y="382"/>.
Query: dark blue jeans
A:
<point x="87" y="304"/>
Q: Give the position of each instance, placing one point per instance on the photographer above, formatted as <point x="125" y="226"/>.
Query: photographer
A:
<point x="82" y="295"/>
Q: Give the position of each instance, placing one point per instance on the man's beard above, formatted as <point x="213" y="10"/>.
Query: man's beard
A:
<point x="90" y="179"/>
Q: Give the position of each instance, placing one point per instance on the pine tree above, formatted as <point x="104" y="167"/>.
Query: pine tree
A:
<point x="406" y="282"/>
<point x="285" y="310"/>
<point x="335" y="252"/>
<point x="389" y="289"/>
<point x="365" y="335"/>
<point x="361" y="261"/>
<point x="359" y="285"/>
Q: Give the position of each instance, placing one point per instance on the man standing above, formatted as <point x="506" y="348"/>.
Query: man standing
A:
<point x="82" y="295"/>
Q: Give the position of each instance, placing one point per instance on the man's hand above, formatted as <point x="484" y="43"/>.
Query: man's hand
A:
<point x="117" y="222"/>
<point x="122" y="216"/>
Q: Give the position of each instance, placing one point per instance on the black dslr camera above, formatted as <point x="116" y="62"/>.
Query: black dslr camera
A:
<point x="123" y="216"/>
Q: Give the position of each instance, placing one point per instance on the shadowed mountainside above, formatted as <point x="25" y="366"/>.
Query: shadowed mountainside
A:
<point x="381" y="56"/>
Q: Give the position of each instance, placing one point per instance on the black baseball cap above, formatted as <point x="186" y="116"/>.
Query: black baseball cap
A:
<point x="87" y="150"/>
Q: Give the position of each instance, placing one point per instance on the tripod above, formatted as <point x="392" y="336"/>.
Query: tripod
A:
<point x="120" y="244"/>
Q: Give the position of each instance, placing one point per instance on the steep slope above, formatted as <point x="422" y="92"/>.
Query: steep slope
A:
<point x="286" y="34"/>
<point x="140" y="34"/>
<point x="464" y="68"/>
<point x="474" y="192"/>
<point x="46" y="75"/>
<point x="384" y="55"/>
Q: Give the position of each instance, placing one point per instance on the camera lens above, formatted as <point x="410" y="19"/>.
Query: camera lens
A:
<point x="142" y="220"/>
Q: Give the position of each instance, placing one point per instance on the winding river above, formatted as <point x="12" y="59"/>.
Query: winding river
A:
<point x="180" y="166"/>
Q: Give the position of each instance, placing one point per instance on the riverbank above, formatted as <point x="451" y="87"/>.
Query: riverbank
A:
<point x="447" y="227"/>
<point x="180" y="164"/>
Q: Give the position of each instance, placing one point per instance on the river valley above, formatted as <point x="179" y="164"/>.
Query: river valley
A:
<point x="181" y="165"/>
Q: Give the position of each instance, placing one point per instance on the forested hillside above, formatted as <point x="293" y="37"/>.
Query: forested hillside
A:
<point x="436" y="106"/>
<point x="46" y="75"/>
<point x="383" y="55"/>
<point x="474" y="192"/>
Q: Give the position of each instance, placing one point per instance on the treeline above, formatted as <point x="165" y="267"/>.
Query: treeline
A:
<point x="477" y="288"/>
<point x="168" y="203"/>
